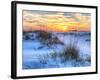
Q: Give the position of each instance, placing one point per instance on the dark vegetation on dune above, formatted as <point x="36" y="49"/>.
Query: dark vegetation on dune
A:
<point x="46" y="38"/>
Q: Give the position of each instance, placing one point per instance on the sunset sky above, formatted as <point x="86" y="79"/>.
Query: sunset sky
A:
<point x="56" y="21"/>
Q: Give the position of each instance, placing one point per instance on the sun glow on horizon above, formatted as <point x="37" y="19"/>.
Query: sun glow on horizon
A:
<point x="56" y="21"/>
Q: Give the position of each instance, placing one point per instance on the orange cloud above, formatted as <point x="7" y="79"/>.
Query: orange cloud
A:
<point x="59" y="22"/>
